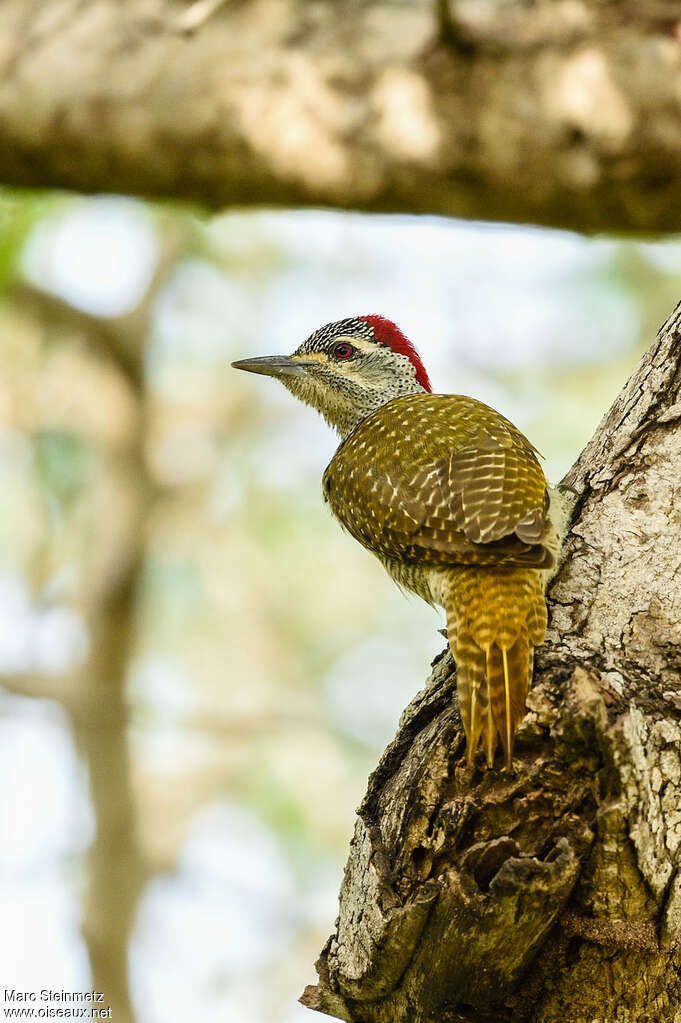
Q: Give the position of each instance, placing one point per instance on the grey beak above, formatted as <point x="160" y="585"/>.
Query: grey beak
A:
<point x="273" y="366"/>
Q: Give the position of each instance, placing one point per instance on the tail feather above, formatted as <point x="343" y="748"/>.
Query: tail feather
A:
<point x="490" y="736"/>
<point x="508" y="682"/>
<point x="471" y="685"/>
<point x="494" y="621"/>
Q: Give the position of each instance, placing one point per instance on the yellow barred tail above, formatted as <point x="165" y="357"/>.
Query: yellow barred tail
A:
<point x="495" y="618"/>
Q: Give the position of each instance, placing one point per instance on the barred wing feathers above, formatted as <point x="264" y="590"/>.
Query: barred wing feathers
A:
<point x="441" y="479"/>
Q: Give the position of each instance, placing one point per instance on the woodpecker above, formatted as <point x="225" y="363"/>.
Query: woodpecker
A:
<point x="450" y="497"/>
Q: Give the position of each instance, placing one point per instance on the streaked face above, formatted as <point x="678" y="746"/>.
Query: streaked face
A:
<point x="343" y="371"/>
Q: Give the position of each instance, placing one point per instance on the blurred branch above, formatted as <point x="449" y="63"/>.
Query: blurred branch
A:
<point x="116" y="869"/>
<point x="104" y="591"/>
<point x="94" y="700"/>
<point x="122" y="337"/>
<point x="551" y="892"/>
<point x="109" y="337"/>
<point x="563" y="113"/>
<point x="197" y="14"/>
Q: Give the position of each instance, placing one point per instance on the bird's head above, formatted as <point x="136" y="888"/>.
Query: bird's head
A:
<point x="348" y="369"/>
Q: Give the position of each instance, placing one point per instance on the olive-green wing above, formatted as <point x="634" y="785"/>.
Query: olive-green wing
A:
<point x="430" y="499"/>
<point x="495" y="492"/>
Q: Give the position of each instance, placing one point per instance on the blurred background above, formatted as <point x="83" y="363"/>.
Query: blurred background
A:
<point x="198" y="668"/>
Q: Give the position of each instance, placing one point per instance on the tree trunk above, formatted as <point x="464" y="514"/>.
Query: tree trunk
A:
<point x="552" y="892"/>
<point x="561" y="112"/>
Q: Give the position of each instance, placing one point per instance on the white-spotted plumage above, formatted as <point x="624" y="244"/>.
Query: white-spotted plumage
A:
<point x="451" y="498"/>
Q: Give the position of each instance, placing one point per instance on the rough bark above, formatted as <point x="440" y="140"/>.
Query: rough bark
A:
<point x="565" y="113"/>
<point x="551" y="892"/>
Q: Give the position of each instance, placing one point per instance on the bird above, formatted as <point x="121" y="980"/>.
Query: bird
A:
<point x="448" y="494"/>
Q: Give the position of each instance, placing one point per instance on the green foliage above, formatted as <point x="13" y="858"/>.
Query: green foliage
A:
<point x="172" y="587"/>
<point x="19" y="211"/>
<point x="277" y="804"/>
<point x="64" y="466"/>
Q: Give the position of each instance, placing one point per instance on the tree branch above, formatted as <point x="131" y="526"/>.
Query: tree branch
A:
<point x="563" y="113"/>
<point x="458" y="882"/>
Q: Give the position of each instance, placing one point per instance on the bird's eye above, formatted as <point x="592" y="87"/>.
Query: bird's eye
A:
<point x="343" y="351"/>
